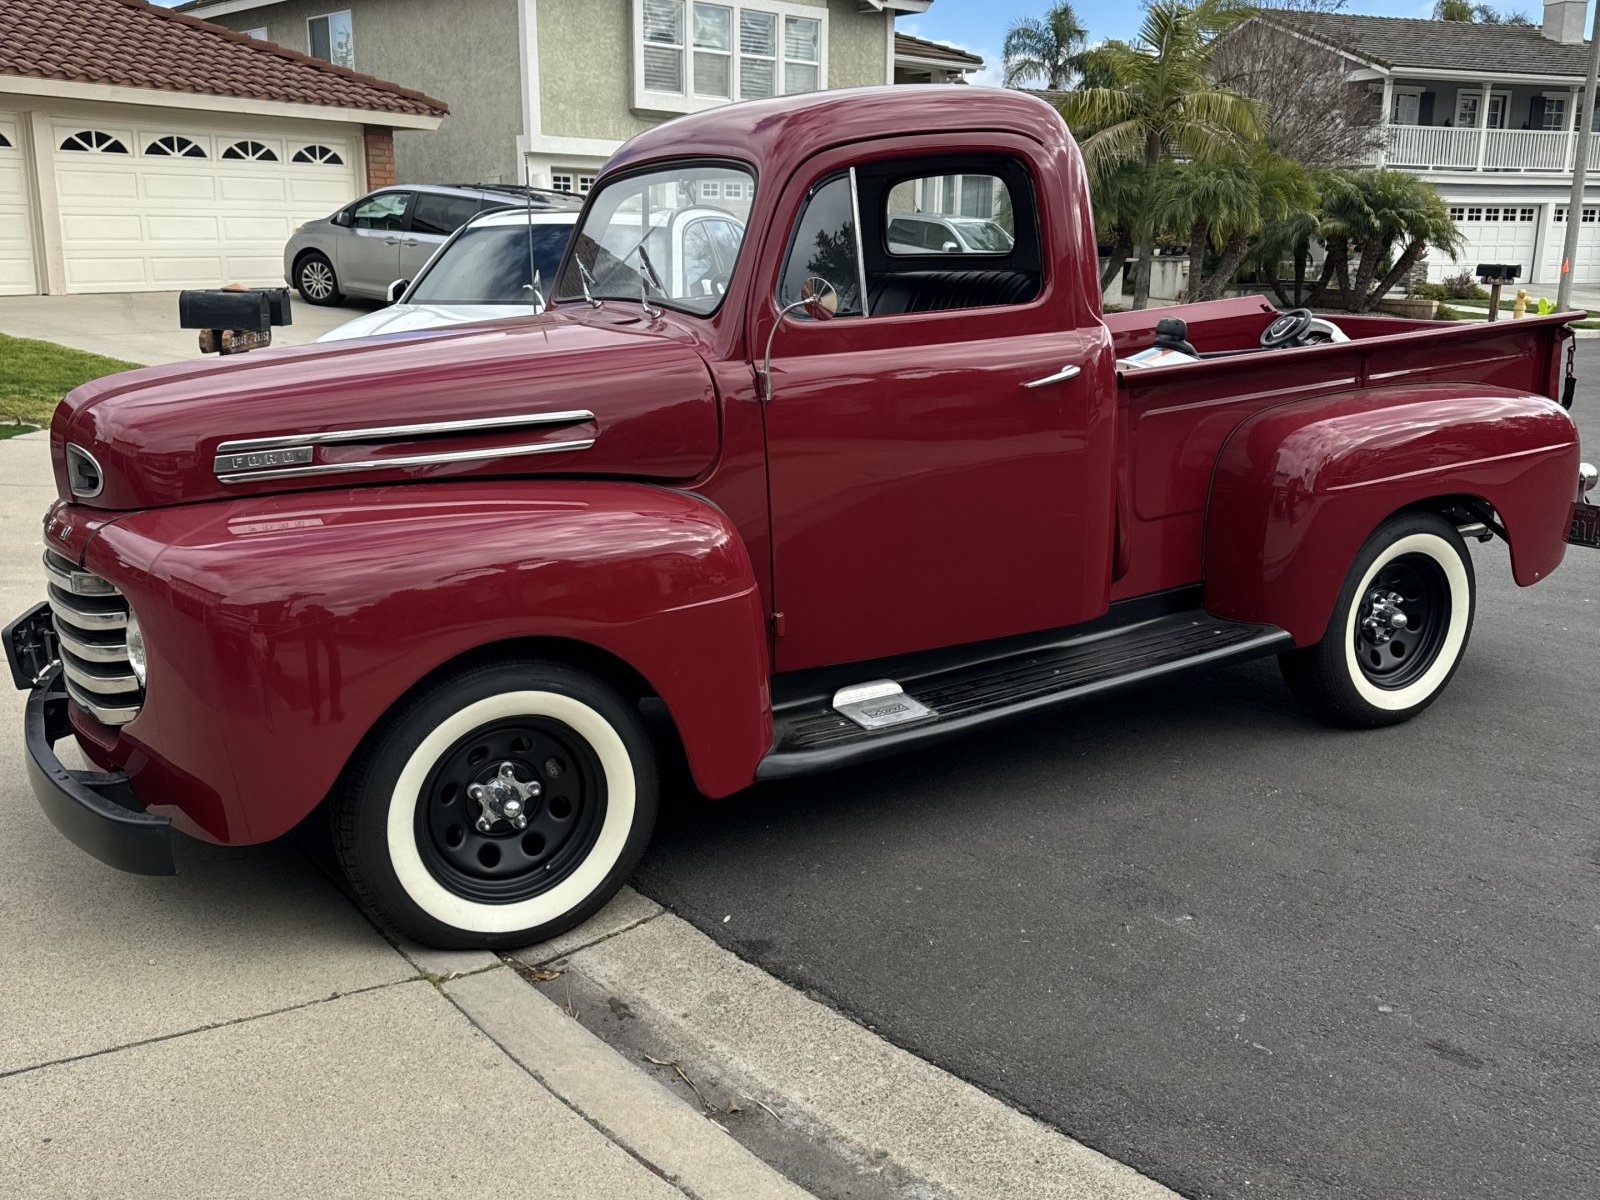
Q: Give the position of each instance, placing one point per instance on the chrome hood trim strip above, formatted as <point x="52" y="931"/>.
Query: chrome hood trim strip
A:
<point x="410" y="460"/>
<point x="290" y="456"/>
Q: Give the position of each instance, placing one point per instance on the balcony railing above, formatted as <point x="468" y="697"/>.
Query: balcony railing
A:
<point x="1442" y="148"/>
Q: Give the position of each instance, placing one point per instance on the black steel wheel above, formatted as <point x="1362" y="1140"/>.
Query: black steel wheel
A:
<point x="1399" y="627"/>
<point x="1401" y="623"/>
<point x="553" y="783"/>
<point x="499" y="806"/>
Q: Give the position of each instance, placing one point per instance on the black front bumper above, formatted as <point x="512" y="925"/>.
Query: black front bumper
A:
<point x="95" y="811"/>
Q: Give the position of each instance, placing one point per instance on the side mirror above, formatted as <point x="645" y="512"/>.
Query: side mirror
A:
<point x="342" y="219"/>
<point x="949" y="248"/>
<point x="820" y="301"/>
<point x="398" y="289"/>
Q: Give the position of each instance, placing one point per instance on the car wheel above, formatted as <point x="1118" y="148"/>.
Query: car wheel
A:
<point x="502" y="806"/>
<point x="1399" y="629"/>
<point x="315" y="280"/>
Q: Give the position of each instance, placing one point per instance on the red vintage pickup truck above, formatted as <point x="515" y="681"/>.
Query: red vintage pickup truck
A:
<point x="872" y="471"/>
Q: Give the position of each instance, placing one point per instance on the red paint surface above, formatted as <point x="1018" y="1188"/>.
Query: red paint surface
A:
<point x="902" y="491"/>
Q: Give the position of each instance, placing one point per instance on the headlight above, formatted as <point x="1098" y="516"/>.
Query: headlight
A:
<point x="136" y="655"/>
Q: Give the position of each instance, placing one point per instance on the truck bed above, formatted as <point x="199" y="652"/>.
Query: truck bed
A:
<point x="1173" y="421"/>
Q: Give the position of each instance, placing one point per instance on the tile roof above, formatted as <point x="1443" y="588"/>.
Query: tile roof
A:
<point x="1444" y="45"/>
<point x="129" y="43"/>
<point x="914" y="47"/>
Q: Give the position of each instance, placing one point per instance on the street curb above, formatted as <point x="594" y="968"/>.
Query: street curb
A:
<point x="835" y="1082"/>
<point x="612" y="1094"/>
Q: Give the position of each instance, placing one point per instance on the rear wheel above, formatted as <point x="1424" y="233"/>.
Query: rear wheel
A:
<point x="1399" y="629"/>
<point x="315" y="280"/>
<point x="503" y="806"/>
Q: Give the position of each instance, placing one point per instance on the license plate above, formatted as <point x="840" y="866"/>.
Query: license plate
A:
<point x="1585" y="525"/>
<point x="31" y="648"/>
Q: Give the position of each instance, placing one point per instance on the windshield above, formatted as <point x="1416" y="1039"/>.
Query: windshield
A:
<point x="671" y="235"/>
<point x="488" y="264"/>
<point x="982" y="235"/>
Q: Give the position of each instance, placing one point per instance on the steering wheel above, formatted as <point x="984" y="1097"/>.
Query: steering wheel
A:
<point x="1287" y="329"/>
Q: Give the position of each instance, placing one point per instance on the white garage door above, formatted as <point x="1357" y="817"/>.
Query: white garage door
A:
<point x="150" y="208"/>
<point x="16" y="228"/>
<point x="1586" y="267"/>
<point x="1495" y="233"/>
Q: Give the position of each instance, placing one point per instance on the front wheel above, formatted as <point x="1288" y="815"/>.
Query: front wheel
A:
<point x="502" y="806"/>
<point x="315" y="280"/>
<point x="1399" y="629"/>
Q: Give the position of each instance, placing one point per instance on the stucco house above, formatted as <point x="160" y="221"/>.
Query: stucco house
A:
<point x="144" y="150"/>
<point x="543" y="91"/>
<point x="1485" y="112"/>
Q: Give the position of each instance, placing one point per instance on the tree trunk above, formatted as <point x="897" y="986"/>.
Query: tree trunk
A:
<point x="1141" y="274"/>
<point x="1278" y="293"/>
<point x="1403" y="264"/>
<point x="1232" y="255"/>
<point x="1301" y="255"/>
<point x="1120" y="249"/>
<point x="1341" y="272"/>
<point x="1371" y="254"/>
<point x="1197" y="256"/>
<point x="1330" y="268"/>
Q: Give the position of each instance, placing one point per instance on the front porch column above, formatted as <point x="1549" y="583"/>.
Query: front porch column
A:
<point x="1483" y="122"/>
<point x="1574" y="98"/>
<point x="1383" y="123"/>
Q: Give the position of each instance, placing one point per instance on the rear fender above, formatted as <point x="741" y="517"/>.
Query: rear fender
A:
<point x="1298" y="488"/>
<point x="281" y="629"/>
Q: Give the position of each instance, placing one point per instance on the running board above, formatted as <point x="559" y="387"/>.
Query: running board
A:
<point x="886" y="716"/>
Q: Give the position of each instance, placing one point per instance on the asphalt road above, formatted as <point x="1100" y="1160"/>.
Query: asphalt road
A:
<point x="1245" y="954"/>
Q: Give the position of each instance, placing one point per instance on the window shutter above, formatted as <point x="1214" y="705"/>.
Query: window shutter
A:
<point x="1425" y="109"/>
<point x="1536" y="113"/>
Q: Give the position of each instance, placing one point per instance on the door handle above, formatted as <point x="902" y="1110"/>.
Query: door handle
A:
<point x="412" y="242"/>
<point x="391" y="241"/>
<point x="1067" y="372"/>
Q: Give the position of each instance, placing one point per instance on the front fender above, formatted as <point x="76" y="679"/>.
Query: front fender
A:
<point x="282" y="628"/>
<point x="1298" y="488"/>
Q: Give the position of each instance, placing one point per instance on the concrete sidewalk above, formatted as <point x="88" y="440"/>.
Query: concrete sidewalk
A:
<point x="142" y="327"/>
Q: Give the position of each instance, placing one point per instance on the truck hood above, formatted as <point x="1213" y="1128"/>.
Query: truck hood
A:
<point x="592" y="393"/>
<point x="413" y="318"/>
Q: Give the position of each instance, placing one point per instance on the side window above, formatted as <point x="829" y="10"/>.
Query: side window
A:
<point x="385" y="211"/>
<point x="441" y="214"/>
<point x="958" y="215"/>
<point x="824" y="245"/>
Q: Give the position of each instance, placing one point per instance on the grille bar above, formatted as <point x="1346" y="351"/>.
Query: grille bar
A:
<point x="91" y="619"/>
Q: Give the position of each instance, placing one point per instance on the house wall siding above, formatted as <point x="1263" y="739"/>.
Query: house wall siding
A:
<point x="586" y="62"/>
<point x="465" y="54"/>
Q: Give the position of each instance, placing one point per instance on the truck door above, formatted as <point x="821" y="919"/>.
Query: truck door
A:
<point x="940" y="452"/>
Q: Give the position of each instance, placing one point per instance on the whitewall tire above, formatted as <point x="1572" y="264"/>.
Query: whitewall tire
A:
<point x="1399" y="628"/>
<point x="502" y="806"/>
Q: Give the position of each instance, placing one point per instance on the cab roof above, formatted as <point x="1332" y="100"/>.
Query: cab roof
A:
<point x="774" y="135"/>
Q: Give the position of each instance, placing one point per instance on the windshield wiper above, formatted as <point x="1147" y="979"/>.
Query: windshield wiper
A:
<point x="648" y="277"/>
<point x="588" y="280"/>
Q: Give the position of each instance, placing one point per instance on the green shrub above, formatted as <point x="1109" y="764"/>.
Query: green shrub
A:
<point x="1430" y="291"/>
<point x="1463" y="286"/>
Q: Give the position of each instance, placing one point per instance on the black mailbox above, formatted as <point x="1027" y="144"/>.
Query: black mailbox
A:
<point x="233" y="320"/>
<point x="1499" y="272"/>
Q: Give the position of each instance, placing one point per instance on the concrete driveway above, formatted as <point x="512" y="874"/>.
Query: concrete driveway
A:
<point x="142" y="327"/>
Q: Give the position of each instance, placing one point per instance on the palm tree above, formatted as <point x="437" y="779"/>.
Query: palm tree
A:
<point x="1046" y="50"/>
<point x="1213" y="201"/>
<point x="1283" y="191"/>
<point x="1162" y="102"/>
<point x="1371" y="213"/>
<point x="1121" y="215"/>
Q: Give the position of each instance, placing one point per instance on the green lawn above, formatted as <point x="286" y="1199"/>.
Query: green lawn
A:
<point x="35" y="375"/>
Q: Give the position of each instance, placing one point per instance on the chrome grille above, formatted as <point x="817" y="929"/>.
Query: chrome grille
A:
<point x="91" y="620"/>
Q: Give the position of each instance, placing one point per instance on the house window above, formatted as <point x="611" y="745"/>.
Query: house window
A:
<point x="1491" y="214"/>
<point x="260" y="35"/>
<point x="5" y="142"/>
<point x="560" y="182"/>
<point x="1475" y="213"/>
<point x="1457" y="212"/>
<point x="174" y="146"/>
<point x="331" y="39"/>
<point x="1469" y="106"/>
<point x="585" y="182"/>
<point x="1555" y="114"/>
<point x="318" y="155"/>
<point x="93" y="141"/>
<point x="1524" y="214"/>
<point x="248" y="151"/>
<point x="693" y="54"/>
<point x="1589" y="215"/>
<point x="1407" y="107"/>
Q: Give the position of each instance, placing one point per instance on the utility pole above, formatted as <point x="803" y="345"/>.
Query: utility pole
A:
<point x="1580" y="166"/>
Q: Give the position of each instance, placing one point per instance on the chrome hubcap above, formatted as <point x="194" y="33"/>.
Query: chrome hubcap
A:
<point x="504" y="798"/>
<point x="1384" y="617"/>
